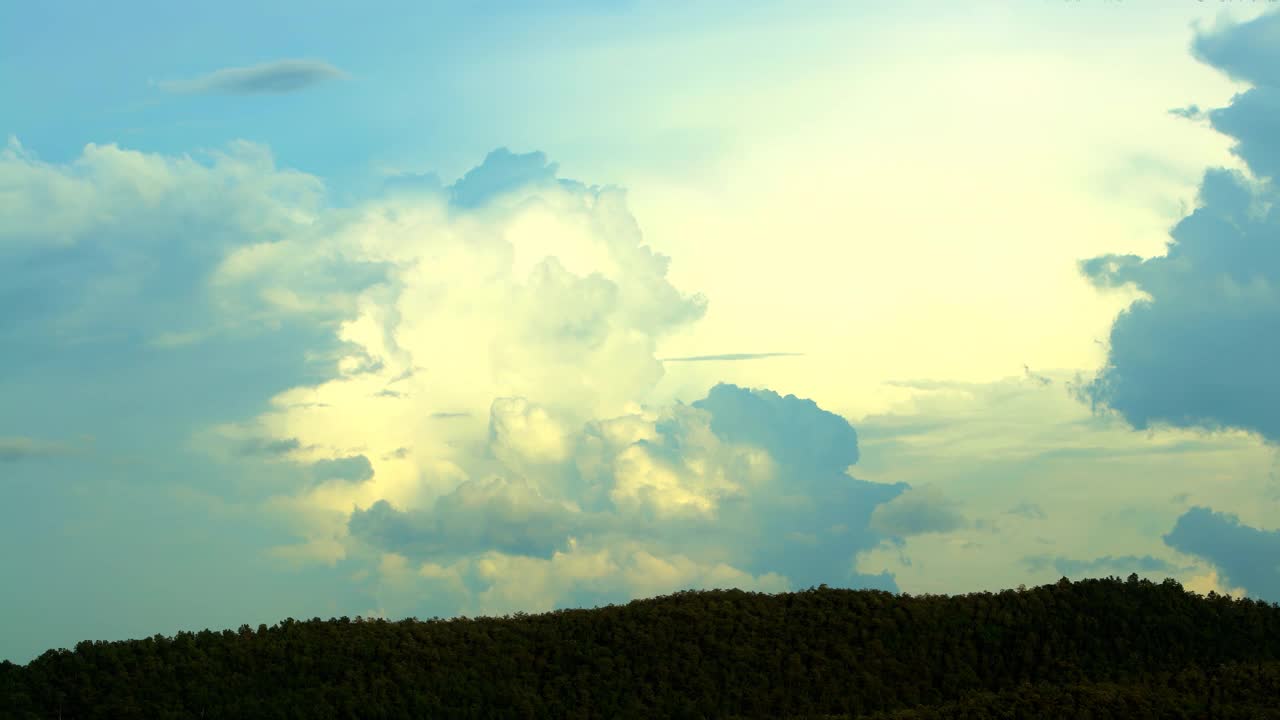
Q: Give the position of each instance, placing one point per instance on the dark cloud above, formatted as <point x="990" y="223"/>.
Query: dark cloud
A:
<point x="1120" y="565"/>
<point x="730" y="356"/>
<point x="1197" y="350"/>
<point x="478" y="516"/>
<point x="917" y="511"/>
<point x="268" y="447"/>
<point x="797" y="433"/>
<point x="355" y="468"/>
<point x="1253" y="119"/>
<point x="1190" y="112"/>
<point x="272" y="78"/>
<point x="1248" y="52"/>
<point x="501" y="172"/>
<point x="1244" y="556"/>
<point x="811" y="523"/>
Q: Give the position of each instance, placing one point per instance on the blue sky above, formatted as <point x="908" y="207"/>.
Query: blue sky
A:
<point x="449" y="308"/>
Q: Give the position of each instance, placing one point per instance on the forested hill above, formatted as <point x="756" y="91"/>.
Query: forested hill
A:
<point x="1094" y="648"/>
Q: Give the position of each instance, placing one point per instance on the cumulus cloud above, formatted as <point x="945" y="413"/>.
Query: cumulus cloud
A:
<point x="270" y="78"/>
<point x="1242" y="556"/>
<point x="661" y="481"/>
<point x="506" y="516"/>
<point x="452" y="387"/>
<point x="1195" y="350"/>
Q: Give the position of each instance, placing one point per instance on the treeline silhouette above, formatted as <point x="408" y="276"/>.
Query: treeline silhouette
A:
<point x="1096" y="649"/>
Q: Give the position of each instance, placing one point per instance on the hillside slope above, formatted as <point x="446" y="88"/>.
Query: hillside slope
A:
<point x="1098" y="648"/>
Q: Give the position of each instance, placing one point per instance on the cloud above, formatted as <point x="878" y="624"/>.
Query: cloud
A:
<point x="1190" y="112"/>
<point x="1242" y="555"/>
<point x="663" y="481"/>
<point x="525" y="310"/>
<point x="499" y="515"/>
<point x="257" y="446"/>
<point x="1119" y="565"/>
<point x="13" y="449"/>
<point x="1250" y="119"/>
<point x="271" y="78"/>
<point x="1194" y="350"/>
<point x="355" y="468"/>
<point x="1034" y="377"/>
<point x="795" y="431"/>
<point x="1248" y="52"/>
<point x="730" y="356"/>
<point x="524" y="453"/>
<point x="917" y="511"/>
<point x="1027" y="510"/>
<point x="501" y="172"/>
<point x="1034" y="472"/>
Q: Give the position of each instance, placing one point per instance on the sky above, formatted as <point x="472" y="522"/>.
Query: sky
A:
<point x="469" y="308"/>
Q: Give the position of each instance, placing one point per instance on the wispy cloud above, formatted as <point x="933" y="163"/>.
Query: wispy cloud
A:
<point x="271" y="78"/>
<point x="729" y="356"/>
<point x="13" y="449"/>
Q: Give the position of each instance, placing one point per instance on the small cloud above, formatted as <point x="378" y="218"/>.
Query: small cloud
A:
<point x="1028" y="510"/>
<point x="501" y="172"/>
<point x="1120" y="565"/>
<point x="730" y="356"/>
<point x="389" y="393"/>
<point x="449" y="415"/>
<point x="356" y="468"/>
<point x="917" y="511"/>
<point x="260" y="447"/>
<point x="1190" y="112"/>
<point x="410" y="372"/>
<point x="13" y="449"/>
<point x="1039" y="379"/>
<point x="272" y="78"/>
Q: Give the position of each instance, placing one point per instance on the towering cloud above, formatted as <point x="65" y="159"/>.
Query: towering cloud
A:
<point x="1199" y="350"/>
